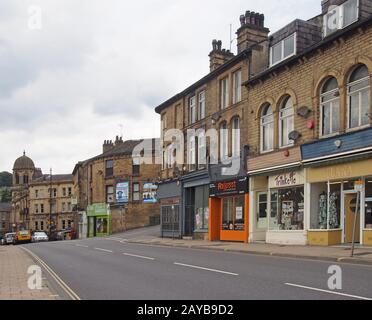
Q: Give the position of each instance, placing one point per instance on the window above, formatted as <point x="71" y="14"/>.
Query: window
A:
<point x="283" y="50"/>
<point x="36" y="208"/>
<point x="286" y="122"/>
<point x="201" y="105"/>
<point x="36" y="193"/>
<point x="202" y="208"/>
<point x="224" y="89"/>
<point x="192" y="110"/>
<point x="236" y="137"/>
<point x="237" y="84"/>
<point x="233" y="209"/>
<point x="36" y="225"/>
<point x="63" y="224"/>
<point x="42" y="208"/>
<point x="359" y="98"/>
<point x="69" y="209"/>
<point x="69" y="191"/>
<point x="224" y="147"/>
<point x="136" y="192"/>
<point x="163" y="123"/>
<point x="109" y="168"/>
<point x="340" y="17"/>
<point x="25" y="179"/>
<point x="136" y="166"/>
<point x="42" y="225"/>
<point x="63" y="207"/>
<point x="202" y="151"/>
<point x="290" y="209"/>
<point x="64" y="192"/>
<point x="330" y="107"/>
<point x="109" y="194"/>
<point x="69" y="224"/>
<point x="267" y="129"/>
<point x="192" y="153"/>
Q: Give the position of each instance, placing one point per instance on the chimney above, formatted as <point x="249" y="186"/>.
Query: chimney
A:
<point x="252" y="30"/>
<point x="218" y="56"/>
<point x="118" y="141"/>
<point x="107" y="145"/>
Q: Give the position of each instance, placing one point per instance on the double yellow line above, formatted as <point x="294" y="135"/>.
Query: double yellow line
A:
<point x="60" y="282"/>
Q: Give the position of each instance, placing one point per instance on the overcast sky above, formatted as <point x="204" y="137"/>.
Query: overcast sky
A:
<point x="97" y="64"/>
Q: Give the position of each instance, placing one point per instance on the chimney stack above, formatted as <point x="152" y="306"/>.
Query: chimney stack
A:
<point x="107" y="145"/>
<point x="218" y="56"/>
<point x="252" y="30"/>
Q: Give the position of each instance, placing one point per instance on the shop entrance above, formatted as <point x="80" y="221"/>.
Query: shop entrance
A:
<point x="350" y="202"/>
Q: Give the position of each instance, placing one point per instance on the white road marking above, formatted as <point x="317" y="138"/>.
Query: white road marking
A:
<point x="206" y="269"/>
<point x="327" y="291"/>
<point x="81" y="246"/>
<point x="104" y="250"/>
<point x="137" y="256"/>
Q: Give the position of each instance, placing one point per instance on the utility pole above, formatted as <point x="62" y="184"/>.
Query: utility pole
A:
<point x="50" y="202"/>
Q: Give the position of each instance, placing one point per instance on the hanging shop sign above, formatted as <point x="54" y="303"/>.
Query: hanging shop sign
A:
<point x="230" y="187"/>
<point x="122" y="192"/>
<point x="149" y="193"/>
<point x="287" y="179"/>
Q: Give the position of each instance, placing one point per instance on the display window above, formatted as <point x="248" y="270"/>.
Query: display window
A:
<point x="287" y="209"/>
<point x="368" y="203"/>
<point x="202" y="208"/>
<point x="233" y="209"/>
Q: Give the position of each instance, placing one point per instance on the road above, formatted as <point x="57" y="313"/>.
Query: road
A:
<point x="110" y="269"/>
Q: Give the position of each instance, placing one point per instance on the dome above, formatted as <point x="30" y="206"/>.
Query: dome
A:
<point x="23" y="162"/>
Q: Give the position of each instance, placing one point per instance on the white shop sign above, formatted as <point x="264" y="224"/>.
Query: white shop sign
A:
<point x="287" y="179"/>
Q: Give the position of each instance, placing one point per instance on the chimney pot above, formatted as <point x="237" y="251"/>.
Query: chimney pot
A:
<point x="242" y="20"/>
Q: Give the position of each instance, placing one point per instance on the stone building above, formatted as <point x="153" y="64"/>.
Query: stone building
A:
<point x="56" y="209"/>
<point x="116" y="190"/>
<point x="309" y="131"/>
<point x="5" y="210"/>
<point x="304" y="116"/>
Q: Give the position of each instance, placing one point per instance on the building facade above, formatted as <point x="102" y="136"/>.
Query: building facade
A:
<point x="5" y="225"/>
<point x="300" y="99"/>
<point x="116" y="190"/>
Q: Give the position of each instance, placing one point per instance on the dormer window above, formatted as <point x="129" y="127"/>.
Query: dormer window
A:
<point x="340" y="17"/>
<point x="283" y="50"/>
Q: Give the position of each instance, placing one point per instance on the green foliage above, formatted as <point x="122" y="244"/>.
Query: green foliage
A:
<point x="5" y="179"/>
<point x="5" y="195"/>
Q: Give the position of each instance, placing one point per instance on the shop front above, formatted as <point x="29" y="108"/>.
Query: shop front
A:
<point x="278" y="212"/>
<point x="229" y="210"/>
<point x="99" y="220"/>
<point x="341" y="197"/>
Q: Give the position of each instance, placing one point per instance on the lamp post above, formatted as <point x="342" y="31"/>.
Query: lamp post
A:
<point x="50" y="202"/>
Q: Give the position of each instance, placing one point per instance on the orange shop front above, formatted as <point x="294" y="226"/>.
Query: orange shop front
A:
<point x="229" y="210"/>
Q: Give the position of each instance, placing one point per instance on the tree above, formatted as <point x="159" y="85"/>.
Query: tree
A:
<point x="5" y="195"/>
<point x="5" y="179"/>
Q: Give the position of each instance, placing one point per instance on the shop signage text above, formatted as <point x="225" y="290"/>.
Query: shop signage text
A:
<point x="239" y="186"/>
<point x="286" y="180"/>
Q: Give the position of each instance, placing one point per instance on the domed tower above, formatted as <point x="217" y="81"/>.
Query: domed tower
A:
<point x="23" y="170"/>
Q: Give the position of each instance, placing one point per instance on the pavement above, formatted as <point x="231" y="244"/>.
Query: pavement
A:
<point x="137" y="265"/>
<point x="14" y="264"/>
<point x="150" y="236"/>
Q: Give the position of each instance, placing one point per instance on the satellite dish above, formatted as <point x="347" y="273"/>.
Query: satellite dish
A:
<point x="294" y="135"/>
<point x="304" y="111"/>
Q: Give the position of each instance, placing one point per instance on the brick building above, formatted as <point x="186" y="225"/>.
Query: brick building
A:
<point x="304" y="116"/>
<point x="116" y="190"/>
<point x="5" y="210"/>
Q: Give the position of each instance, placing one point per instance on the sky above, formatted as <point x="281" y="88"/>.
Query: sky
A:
<point x="74" y="73"/>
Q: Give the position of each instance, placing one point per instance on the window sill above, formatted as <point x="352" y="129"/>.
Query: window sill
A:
<point x="330" y="135"/>
<point x="349" y="130"/>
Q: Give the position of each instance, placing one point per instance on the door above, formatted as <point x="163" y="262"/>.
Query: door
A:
<point x="350" y="206"/>
<point x="262" y="210"/>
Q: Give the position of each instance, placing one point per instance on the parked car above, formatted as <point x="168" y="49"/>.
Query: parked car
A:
<point x="23" y="236"/>
<point x="9" y="238"/>
<point x="39" y="236"/>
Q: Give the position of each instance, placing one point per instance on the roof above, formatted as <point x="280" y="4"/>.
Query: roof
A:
<point x="203" y="80"/>
<point x="253" y="80"/>
<point x="23" y="162"/>
<point x="55" y="178"/>
<point x="5" y="207"/>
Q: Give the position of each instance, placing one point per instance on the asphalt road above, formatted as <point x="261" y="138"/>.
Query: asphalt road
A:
<point x="107" y="269"/>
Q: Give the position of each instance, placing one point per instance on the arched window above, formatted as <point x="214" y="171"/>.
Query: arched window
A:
<point x="224" y="136"/>
<point x="236" y="137"/>
<point x="358" y="98"/>
<point x="17" y="178"/>
<point x="286" y="122"/>
<point x="330" y="107"/>
<point x="267" y="128"/>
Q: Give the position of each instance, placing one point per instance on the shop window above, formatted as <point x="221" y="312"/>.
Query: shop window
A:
<point x="267" y="128"/>
<point x="101" y="226"/>
<point x="286" y="122"/>
<point x="202" y="208"/>
<point x="368" y="204"/>
<point x="325" y="204"/>
<point x="233" y="213"/>
<point x="330" y="107"/>
<point x="290" y="209"/>
<point x="359" y="98"/>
